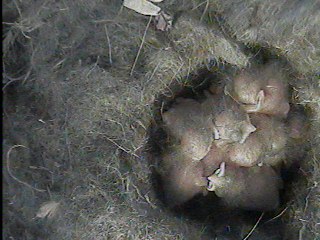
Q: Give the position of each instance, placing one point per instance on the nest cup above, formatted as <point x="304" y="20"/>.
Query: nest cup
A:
<point x="208" y="209"/>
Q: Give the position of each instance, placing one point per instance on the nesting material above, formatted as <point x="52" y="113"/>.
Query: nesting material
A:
<point x="234" y="142"/>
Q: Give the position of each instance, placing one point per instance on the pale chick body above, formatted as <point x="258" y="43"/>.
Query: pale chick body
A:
<point x="191" y="126"/>
<point x="213" y="159"/>
<point x="255" y="188"/>
<point x="247" y="154"/>
<point x="267" y="145"/>
<point x="261" y="90"/>
<point x="182" y="178"/>
<point x="272" y="133"/>
<point x="231" y="123"/>
<point x="298" y="132"/>
<point x="297" y="125"/>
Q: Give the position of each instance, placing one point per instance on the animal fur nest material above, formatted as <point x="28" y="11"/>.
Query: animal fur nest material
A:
<point x="290" y="28"/>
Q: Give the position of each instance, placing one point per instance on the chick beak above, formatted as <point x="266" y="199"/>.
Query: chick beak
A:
<point x="256" y="107"/>
<point x="213" y="179"/>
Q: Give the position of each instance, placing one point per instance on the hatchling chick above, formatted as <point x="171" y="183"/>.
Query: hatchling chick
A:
<point x="261" y="90"/>
<point x="247" y="154"/>
<point x="182" y="178"/>
<point x="267" y="145"/>
<point x="298" y="132"/>
<point x="231" y="123"/>
<point x="255" y="188"/>
<point x="297" y="125"/>
<point x="213" y="159"/>
<point x="191" y="126"/>
<point x="272" y="133"/>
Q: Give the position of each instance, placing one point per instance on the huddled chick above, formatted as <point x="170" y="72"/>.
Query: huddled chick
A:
<point x="261" y="90"/>
<point x="254" y="188"/>
<point x="231" y="123"/>
<point x="298" y="131"/>
<point x="213" y="159"/>
<point x="246" y="154"/>
<point x="273" y="134"/>
<point x="233" y="142"/>
<point x="182" y="178"/>
<point x="267" y="145"/>
<point x="191" y="126"/>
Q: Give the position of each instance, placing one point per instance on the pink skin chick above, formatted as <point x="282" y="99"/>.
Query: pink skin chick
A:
<point x="248" y="153"/>
<point x="298" y="128"/>
<point x="193" y="127"/>
<point x="272" y="133"/>
<point x="182" y="178"/>
<point x="271" y="100"/>
<point x="255" y="188"/>
<point x="231" y="123"/>
<point x="298" y="131"/>
<point x="212" y="160"/>
<point x="261" y="90"/>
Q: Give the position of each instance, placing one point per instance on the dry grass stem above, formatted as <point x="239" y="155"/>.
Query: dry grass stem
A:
<point x="109" y="44"/>
<point x="122" y="148"/>
<point x="13" y="176"/>
<point x="254" y="227"/>
<point x="142" y="42"/>
<point x="279" y="215"/>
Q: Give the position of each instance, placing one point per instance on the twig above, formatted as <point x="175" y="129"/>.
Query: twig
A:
<point x="68" y="146"/>
<point x="9" y="82"/>
<point x="199" y="5"/>
<point x="122" y="148"/>
<point x="148" y="200"/>
<point x="59" y="63"/>
<point x="12" y="79"/>
<point x="254" y="227"/>
<point x="119" y="174"/>
<point x="109" y="43"/>
<point x="277" y="216"/>
<point x="142" y="42"/>
<point x="307" y="201"/>
<point x="18" y="8"/>
<point x="301" y="231"/>
<point x="137" y="190"/>
<point x="176" y="73"/>
<point x="161" y="109"/>
<point x="153" y="73"/>
<point x="8" y="23"/>
<point x="205" y="10"/>
<point x="94" y="66"/>
<point x="14" y="177"/>
<point x="118" y="123"/>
